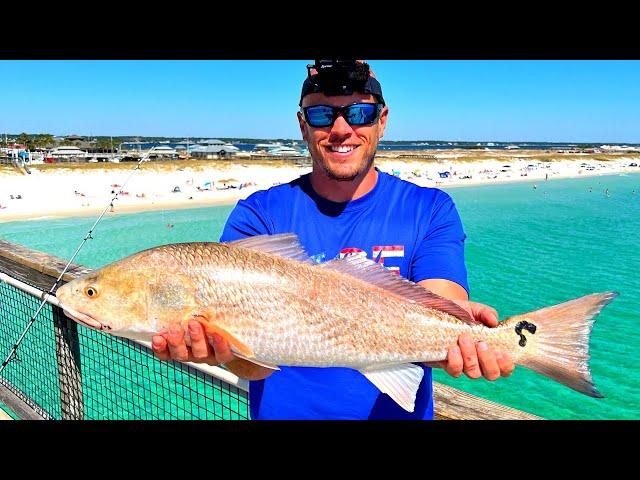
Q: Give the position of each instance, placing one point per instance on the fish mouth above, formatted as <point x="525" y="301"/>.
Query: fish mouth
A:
<point x="84" y="319"/>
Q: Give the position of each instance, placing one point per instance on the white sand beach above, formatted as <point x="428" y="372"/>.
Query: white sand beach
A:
<point x="75" y="190"/>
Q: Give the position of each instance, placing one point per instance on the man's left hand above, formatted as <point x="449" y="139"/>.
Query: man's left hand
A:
<point x="476" y="359"/>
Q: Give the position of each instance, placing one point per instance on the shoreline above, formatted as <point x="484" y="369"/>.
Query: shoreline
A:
<point x="54" y="193"/>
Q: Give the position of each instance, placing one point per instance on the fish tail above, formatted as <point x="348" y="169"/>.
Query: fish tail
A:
<point x="554" y="341"/>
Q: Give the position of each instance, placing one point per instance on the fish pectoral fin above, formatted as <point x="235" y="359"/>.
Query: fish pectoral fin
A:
<point x="207" y="320"/>
<point x="241" y="350"/>
<point x="400" y="382"/>
<point x="253" y="360"/>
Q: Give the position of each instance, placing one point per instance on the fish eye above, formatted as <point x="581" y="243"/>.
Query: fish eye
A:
<point x="91" y="292"/>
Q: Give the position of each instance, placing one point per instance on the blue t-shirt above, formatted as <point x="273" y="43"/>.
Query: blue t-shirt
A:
<point x="414" y="231"/>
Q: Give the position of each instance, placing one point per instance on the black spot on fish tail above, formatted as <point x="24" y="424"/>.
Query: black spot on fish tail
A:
<point x="529" y="327"/>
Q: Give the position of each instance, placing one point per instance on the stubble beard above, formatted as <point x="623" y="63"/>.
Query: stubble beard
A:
<point x="358" y="170"/>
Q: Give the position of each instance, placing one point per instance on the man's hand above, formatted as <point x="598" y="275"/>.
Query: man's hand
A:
<point x="476" y="359"/>
<point x="213" y="350"/>
<point x="171" y="345"/>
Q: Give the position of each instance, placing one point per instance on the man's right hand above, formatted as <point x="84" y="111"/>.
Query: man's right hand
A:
<point x="212" y="350"/>
<point x="171" y="345"/>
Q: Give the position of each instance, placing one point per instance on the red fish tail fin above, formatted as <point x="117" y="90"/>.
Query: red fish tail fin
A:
<point x="556" y="340"/>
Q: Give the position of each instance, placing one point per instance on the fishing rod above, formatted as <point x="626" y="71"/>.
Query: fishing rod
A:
<point x="48" y="295"/>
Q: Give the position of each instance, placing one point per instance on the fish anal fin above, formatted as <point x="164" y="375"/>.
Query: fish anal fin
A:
<point x="376" y="274"/>
<point x="208" y="321"/>
<point x="400" y="382"/>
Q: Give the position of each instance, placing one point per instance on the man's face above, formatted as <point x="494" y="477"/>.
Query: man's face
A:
<point x="342" y="151"/>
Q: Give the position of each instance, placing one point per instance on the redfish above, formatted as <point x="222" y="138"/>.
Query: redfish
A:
<point x="275" y="306"/>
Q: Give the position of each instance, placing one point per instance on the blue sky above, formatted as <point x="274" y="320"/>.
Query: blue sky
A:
<point x="557" y="101"/>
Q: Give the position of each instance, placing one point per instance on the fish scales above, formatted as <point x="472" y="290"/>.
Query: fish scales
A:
<point x="316" y="316"/>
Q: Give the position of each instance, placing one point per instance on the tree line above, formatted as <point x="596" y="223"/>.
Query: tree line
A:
<point x="46" y="140"/>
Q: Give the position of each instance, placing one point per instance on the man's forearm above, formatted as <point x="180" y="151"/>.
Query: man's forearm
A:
<point x="445" y="288"/>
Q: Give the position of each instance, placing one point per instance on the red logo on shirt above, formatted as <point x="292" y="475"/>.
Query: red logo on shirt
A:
<point x="379" y="253"/>
<point x="352" y="251"/>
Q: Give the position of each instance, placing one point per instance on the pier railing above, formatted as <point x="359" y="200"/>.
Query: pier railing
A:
<point x="63" y="370"/>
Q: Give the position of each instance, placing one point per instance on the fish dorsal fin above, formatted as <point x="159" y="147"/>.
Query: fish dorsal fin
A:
<point x="374" y="273"/>
<point x="400" y="382"/>
<point x="285" y="245"/>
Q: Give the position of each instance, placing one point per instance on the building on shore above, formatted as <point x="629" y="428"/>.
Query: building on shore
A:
<point x="66" y="154"/>
<point x="213" y="148"/>
<point x="163" y="152"/>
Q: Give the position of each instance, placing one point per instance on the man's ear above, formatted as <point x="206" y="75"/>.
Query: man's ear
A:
<point x="382" y="121"/>
<point x="303" y="127"/>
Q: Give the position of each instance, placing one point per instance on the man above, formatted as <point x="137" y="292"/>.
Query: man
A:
<point x="346" y="206"/>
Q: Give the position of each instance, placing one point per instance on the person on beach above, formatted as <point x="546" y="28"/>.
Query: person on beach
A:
<point x="347" y="206"/>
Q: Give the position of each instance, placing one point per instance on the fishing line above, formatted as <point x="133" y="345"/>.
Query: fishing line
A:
<point x="88" y="236"/>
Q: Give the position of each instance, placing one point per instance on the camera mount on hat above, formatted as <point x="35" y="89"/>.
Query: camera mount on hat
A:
<point x="340" y="77"/>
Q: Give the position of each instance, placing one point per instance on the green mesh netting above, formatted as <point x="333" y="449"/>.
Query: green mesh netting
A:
<point x="119" y="379"/>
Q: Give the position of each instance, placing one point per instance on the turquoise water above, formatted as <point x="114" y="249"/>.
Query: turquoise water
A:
<point x="526" y="248"/>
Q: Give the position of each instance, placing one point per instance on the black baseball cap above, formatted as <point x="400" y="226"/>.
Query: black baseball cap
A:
<point x="340" y="77"/>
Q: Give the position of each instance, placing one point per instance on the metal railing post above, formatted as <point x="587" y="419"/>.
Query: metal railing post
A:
<point x="68" y="360"/>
